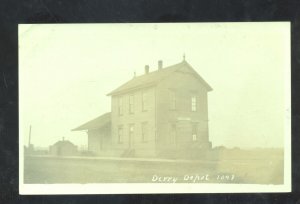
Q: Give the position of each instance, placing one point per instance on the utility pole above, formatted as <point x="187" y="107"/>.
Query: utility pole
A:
<point x="29" y="140"/>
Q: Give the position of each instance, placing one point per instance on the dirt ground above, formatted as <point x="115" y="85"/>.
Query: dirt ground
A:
<point x="266" y="169"/>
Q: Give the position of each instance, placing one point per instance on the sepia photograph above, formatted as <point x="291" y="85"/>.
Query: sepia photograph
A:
<point x="154" y="108"/>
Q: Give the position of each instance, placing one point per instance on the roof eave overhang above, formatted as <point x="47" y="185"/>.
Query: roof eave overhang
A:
<point x="208" y="87"/>
<point x="87" y="129"/>
<point x="78" y="129"/>
<point x="113" y="93"/>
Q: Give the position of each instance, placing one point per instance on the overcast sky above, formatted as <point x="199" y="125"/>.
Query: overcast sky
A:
<point x="66" y="70"/>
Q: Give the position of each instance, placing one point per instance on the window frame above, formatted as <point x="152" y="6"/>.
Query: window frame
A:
<point x="194" y="103"/>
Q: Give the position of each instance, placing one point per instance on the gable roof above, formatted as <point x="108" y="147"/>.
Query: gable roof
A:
<point x="152" y="78"/>
<point x="96" y="123"/>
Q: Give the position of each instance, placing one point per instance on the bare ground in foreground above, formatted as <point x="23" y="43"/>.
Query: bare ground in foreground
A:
<point x="264" y="169"/>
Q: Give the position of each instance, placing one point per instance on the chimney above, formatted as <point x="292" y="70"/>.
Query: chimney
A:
<point x="146" y="69"/>
<point x="160" y="64"/>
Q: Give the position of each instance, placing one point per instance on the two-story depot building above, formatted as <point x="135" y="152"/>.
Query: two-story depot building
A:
<point x="163" y="113"/>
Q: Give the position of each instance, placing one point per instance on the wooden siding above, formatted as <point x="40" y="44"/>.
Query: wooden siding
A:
<point x="137" y="118"/>
<point x="185" y="85"/>
<point x="99" y="141"/>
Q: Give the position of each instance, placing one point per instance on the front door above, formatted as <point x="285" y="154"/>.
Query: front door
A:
<point x="173" y="134"/>
<point x="130" y="136"/>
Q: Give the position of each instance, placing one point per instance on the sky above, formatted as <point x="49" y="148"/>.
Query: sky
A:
<point x="66" y="70"/>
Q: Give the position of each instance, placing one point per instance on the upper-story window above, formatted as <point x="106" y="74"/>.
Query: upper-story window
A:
<point x="120" y="106"/>
<point x="172" y="100"/>
<point x="131" y="104"/>
<point x="194" y="103"/>
<point x="144" y="101"/>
